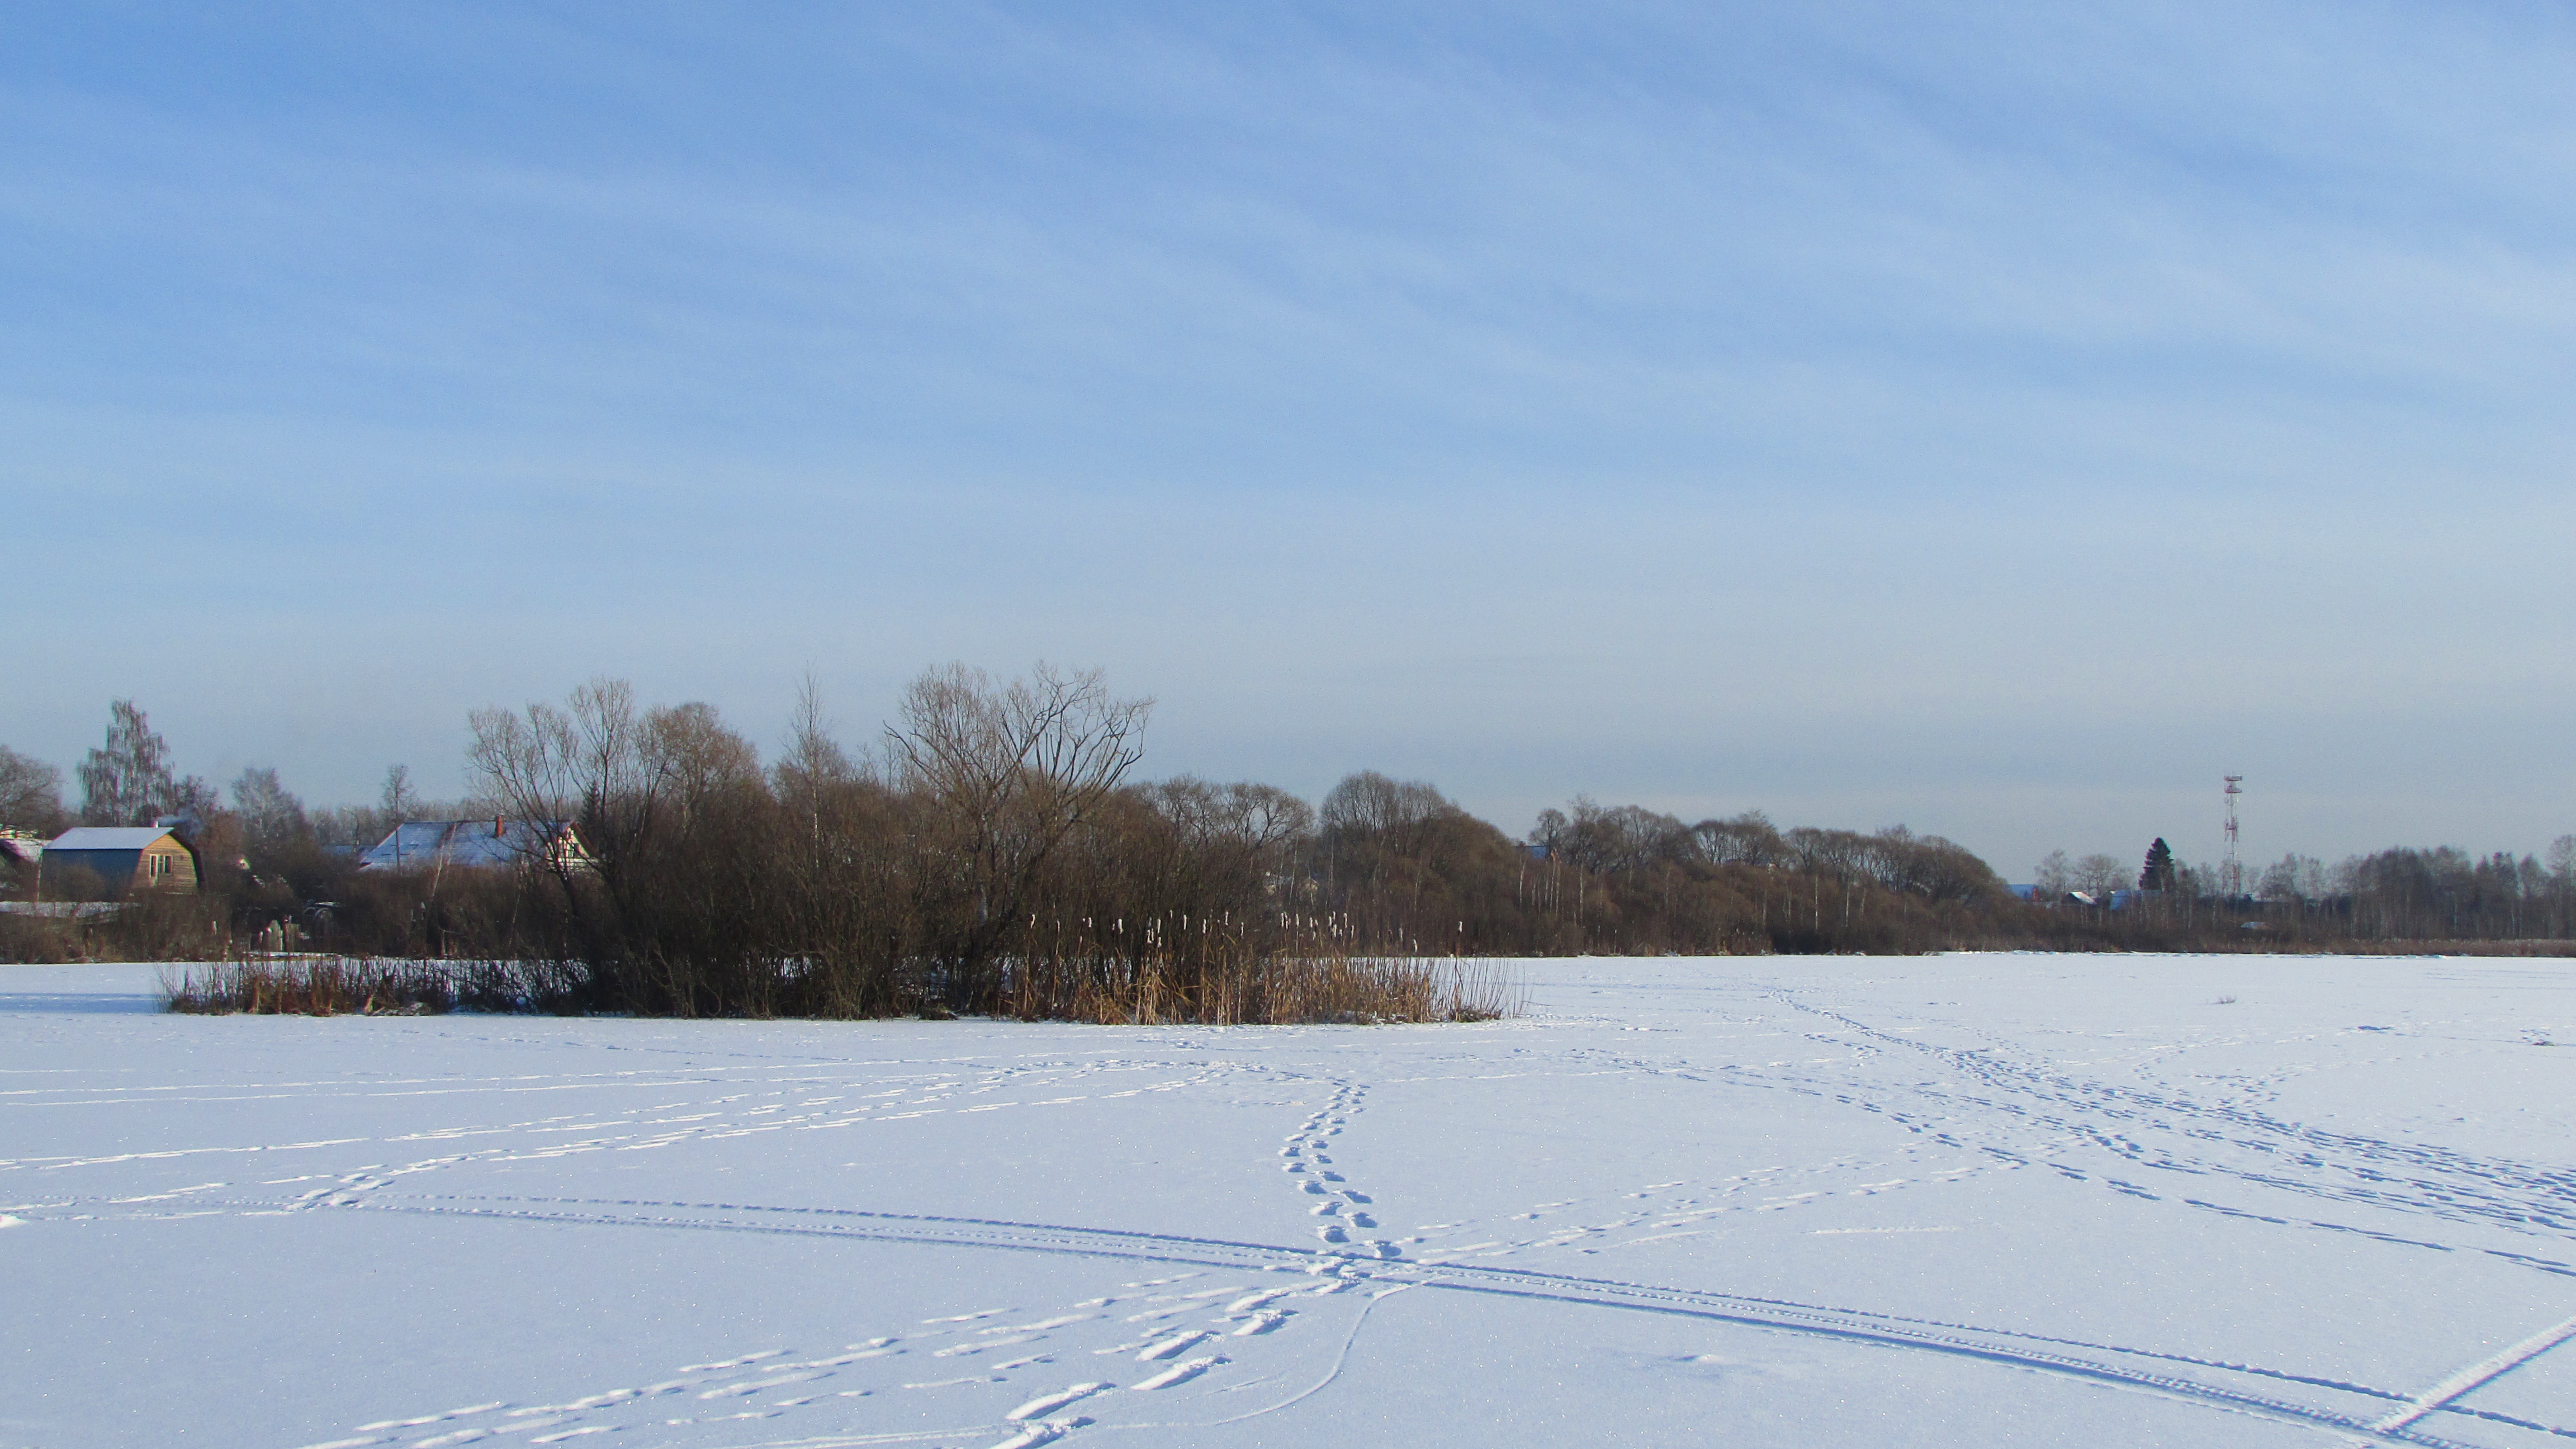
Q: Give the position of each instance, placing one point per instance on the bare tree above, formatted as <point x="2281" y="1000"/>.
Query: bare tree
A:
<point x="1266" y="819"/>
<point x="2293" y="877"/>
<point x="1258" y="826"/>
<point x="1845" y="853"/>
<point x="31" y="794"/>
<point x="601" y="766"/>
<point x="812" y="780"/>
<point x="1548" y="832"/>
<point x="399" y="800"/>
<point x="1399" y="813"/>
<point x="2054" y="876"/>
<point x="537" y="766"/>
<point x="1929" y="865"/>
<point x="814" y="760"/>
<point x="525" y="763"/>
<point x="692" y="757"/>
<point x="2560" y="863"/>
<point x="2099" y="875"/>
<point x="272" y="819"/>
<point x="1008" y="771"/>
<point x="1748" y="839"/>
<point x="847" y="895"/>
<point x="128" y="781"/>
<point x="1615" y="839"/>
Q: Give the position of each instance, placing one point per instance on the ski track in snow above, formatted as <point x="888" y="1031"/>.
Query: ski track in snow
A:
<point x="1177" y="1324"/>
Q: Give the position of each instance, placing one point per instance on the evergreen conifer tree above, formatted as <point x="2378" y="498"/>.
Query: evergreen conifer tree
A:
<point x="2159" y="872"/>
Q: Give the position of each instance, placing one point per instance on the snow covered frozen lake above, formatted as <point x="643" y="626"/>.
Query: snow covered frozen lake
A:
<point x="1972" y="1200"/>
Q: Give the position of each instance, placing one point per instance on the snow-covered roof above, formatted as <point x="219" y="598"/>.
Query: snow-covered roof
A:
<point x="486" y="842"/>
<point x="108" y="837"/>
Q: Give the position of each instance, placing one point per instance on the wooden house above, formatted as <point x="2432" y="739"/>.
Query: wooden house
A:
<point x="125" y="860"/>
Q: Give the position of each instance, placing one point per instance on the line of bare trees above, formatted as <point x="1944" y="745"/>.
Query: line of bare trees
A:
<point x="991" y="851"/>
<point x="1403" y="864"/>
<point x="2403" y="894"/>
<point x="2396" y="895"/>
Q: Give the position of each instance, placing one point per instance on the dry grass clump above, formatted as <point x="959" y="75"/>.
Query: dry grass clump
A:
<point x="2442" y="948"/>
<point x="1280" y="988"/>
<point x="1483" y="990"/>
<point x="324" y="986"/>
<point x="353" y="986"/>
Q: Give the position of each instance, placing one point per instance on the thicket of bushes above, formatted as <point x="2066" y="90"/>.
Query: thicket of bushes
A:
<point x="991" y="858"/>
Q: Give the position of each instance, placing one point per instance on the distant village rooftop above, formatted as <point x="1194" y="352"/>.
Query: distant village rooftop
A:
<point x="487" y="843"/>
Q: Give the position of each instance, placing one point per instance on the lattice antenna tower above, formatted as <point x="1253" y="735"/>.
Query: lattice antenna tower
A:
<point x="2231" y="876"/>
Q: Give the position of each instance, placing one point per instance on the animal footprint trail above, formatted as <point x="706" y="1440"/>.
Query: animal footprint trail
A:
<point x="777" y="1380"/>
<point x="758" y="1386"/>
<point x="727" y="1115"/>
<point x="446" y="1416"/>
<point x="1307" y="1160"/>
<point x="612" y="1410"/>
<point x="1668" y="1211"/>
<point x="2418" y="1179"/>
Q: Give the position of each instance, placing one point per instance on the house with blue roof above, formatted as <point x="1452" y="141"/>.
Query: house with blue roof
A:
<point x="490" y="843"/>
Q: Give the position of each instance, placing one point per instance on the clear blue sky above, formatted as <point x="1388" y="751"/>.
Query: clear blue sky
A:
<point x="1999" y="419"/>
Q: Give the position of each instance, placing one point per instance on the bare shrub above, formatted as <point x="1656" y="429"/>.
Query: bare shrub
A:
<point x="162" y="928"/>
<point x="39" y="940"/>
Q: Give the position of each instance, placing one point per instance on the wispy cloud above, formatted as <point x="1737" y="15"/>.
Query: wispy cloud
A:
<point x="1714" y="408"/>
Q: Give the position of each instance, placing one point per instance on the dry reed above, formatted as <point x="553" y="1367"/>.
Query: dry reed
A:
<point x="1265" y="989"/>
<point x="1277" y="988"/>
<point x="282" y="985"/>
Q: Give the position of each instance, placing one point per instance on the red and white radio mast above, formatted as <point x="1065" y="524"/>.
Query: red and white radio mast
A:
<point x="2231" y="875"/>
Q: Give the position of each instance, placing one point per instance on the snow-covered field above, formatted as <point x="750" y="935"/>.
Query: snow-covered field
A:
<point x="1975" y="1200"/>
